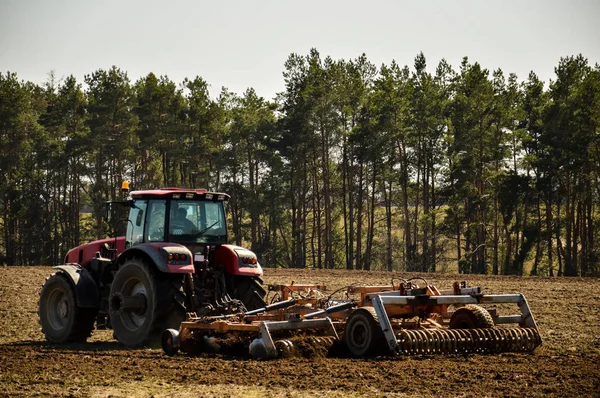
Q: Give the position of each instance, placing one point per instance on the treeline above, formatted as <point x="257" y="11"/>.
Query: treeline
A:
<point x="352" y="166"/>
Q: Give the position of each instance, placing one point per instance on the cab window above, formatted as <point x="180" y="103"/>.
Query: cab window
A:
<point x="197" y="221"/>
<point x="156" y="221"/>
<point x="135" y="226"/>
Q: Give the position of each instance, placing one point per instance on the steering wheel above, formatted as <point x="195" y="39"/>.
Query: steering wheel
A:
<point x="185" y="229"/>
<point x="158" y="234"/>
<point x="177" y="227"/>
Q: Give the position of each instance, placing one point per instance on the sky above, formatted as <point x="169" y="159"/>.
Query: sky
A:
<point x="240" y="44"/>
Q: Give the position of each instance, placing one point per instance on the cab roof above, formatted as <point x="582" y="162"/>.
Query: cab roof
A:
<point x="184" y="193"/>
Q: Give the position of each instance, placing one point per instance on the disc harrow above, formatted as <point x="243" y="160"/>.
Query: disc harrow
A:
<point x="401" y="319"/>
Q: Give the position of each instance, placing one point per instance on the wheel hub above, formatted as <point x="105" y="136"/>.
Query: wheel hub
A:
<point x="359" y="334"/>
<point x="131" y="305"/>
<point x="62" y="309"/>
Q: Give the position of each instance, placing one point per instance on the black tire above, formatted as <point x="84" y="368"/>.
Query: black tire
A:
<point x="170" y="341"/>
<point x="172" y="310"/>
<point x="471" y="316"/>
<point x="61" y="319"/>
<point x="248" y="290"/>
<point x="162" y="310"/>
<point x="363" y="335"/>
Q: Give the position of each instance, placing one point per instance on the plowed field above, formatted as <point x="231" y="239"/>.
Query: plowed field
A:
<point x="568" y="363"/>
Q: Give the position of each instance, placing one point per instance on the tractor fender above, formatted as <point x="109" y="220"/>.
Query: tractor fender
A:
<point x="238" y="261"/>
<point x="158" y="254"/>
<point x="86" y="290"/>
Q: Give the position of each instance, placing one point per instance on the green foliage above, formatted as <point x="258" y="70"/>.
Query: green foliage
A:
<point x="351" y="166"/>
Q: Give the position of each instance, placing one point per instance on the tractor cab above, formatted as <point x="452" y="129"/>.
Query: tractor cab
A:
<point x="193" y="218"/>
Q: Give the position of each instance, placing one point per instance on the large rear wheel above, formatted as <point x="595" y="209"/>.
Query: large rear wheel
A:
<point x="248" y="290"/>
<point x="61" y="319"/>
<point x="143" y="302"/>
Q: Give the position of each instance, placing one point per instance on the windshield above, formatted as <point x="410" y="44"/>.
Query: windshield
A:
<point x="197" y="221"/>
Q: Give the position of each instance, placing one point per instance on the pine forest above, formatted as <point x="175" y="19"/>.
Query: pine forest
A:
<point x="417" y="168"/>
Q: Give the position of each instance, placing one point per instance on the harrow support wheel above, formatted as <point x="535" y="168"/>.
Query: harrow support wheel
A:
<point x="61" y="319"/>
<point x="363" y="335"/>
<point x="471" y="316"/>
<point x="170" y="341"/>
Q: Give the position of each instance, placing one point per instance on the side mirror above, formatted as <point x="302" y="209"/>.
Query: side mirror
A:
<point x="140" y="218"/>
<point x="107" y="212"/>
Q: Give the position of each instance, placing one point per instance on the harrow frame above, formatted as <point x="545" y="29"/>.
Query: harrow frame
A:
<point x="392" y="308"/>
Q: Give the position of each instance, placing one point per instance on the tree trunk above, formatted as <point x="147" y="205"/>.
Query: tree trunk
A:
<point x="371" y="223"/>
<point x="433" y="259"/>
<point x="549" y="235"/>
<point x="345" y="200"/>
<point x="359" y="217"/>
<point x="409" y="250"/>
<point x="388" y="217"/>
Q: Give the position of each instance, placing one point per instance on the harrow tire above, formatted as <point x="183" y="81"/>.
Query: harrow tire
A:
<point x="163" y="303"/>
<point x="61" y="319"/>
<point x="471" y="316"/>
<point x="248" y="290"/>
<point x="170" y="341"/>
<point x="363" y="335"/>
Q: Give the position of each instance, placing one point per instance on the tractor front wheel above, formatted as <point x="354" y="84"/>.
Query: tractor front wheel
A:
<point x="142" y="303"/>
<point x="61" y="319"/>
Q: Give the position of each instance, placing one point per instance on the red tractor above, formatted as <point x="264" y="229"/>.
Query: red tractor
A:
<point x="173" y="260"/>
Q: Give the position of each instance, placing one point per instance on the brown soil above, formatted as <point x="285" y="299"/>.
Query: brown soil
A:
<point x="568" y="364"/>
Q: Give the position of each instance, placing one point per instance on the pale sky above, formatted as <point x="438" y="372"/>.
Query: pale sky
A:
<point x="241" y="44"/>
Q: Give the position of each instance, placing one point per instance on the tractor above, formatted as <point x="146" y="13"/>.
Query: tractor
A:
<point x="173" y="261"/>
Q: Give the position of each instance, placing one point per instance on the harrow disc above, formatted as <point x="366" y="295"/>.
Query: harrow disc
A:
<point x="307" y="347"/>
<point x="468" y="341"/>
